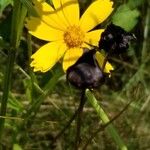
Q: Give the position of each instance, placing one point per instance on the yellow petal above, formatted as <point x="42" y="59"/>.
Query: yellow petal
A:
<point x="100" y="59"/>
<point x="71" y="56"/>
<point x="71" y="11"/>
<point x="86" y="46"/>
<point x="93" y="37"/>
<point x="95" y="14"/>
<point x="48" y="15"/>
<point x="42" y="31"/>
<point x="47" y="56"/>
<point x="59" y="9"/>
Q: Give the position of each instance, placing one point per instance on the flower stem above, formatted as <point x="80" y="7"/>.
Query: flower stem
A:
<point x="70" y="120"/>
<point x="103" y="116"/>
<point x="79" y="118"/>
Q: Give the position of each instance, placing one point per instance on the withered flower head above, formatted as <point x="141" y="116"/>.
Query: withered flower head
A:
<point x="115" y="39"/>
<point x="85" y="73"/>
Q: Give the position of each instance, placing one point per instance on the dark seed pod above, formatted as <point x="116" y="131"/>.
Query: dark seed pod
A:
<point x="115" y="39"/>
<point x="85" y="73"/>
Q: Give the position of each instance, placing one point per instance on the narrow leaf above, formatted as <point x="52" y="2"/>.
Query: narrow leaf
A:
<point x="28" y="4"/>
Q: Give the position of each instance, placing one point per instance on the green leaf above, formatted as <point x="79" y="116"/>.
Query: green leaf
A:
<point x="3" y="4"/>
<point x="16" y="147"/>
<point x="28" y="4"/>
<point x="125" y="17"/>
<point x="14" y="103"/>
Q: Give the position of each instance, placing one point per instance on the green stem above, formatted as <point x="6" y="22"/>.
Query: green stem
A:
<point x="7" y="79"/>
<point x="19" y="13"/>
<point x="103" y="116"/>
<point x="15" y="24"/>
<point x="29" y="61"/>
<point x="146" y="33"/>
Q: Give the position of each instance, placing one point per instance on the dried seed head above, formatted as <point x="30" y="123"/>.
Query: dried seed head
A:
<point x="115" y="39"/>
<point x="85" y="73"/>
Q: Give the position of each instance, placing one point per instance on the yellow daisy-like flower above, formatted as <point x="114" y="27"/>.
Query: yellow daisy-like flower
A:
<point x="66" y="31"/>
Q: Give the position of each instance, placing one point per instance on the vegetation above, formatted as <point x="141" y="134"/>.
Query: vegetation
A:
<point x="36" y="107"/>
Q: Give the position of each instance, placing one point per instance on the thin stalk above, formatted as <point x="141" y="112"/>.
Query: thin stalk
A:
<point x="6" y="88"/>
<point x="65" y="127"/>
<point x="146" y="33"/>
<point x="79" y="117"/>
<point x="18" y="16"/>
<point x="103" y="116"/>
<point x="29" y="61"/>
<point x="15" y="24"/>
<point x="68" y="123"/>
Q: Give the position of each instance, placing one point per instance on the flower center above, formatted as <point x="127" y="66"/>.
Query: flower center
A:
<point x="74" y="36"/>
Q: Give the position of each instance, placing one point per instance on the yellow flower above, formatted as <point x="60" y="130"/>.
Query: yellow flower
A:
<point x="66" y="31"/>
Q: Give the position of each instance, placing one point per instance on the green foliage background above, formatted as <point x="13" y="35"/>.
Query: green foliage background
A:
<point x="39" y="105"/>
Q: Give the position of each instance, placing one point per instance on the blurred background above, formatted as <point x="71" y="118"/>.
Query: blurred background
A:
<point x="40" y="104"/>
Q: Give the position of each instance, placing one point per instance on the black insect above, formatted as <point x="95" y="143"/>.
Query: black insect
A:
<point x="115" y="39"/>
<point x="85" y="73"/>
